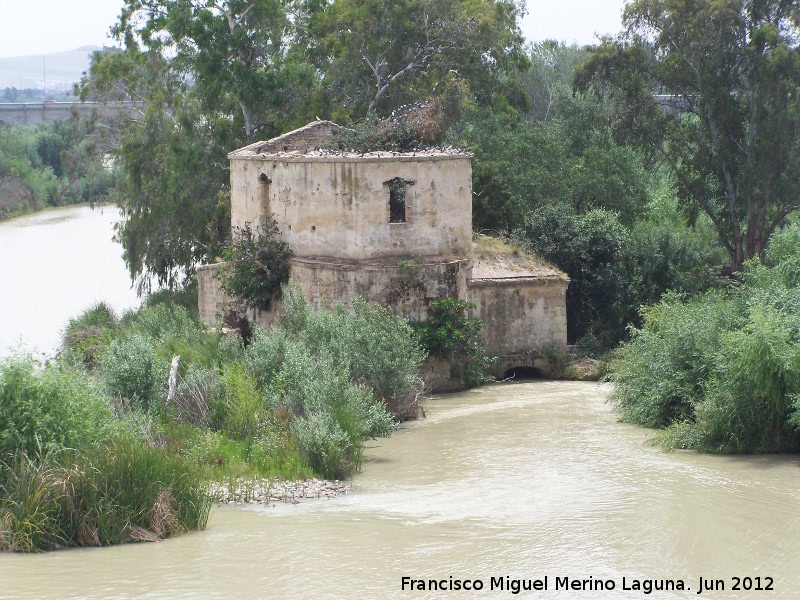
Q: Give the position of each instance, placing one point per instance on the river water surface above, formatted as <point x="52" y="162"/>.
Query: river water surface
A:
<point x="527" y="480"/>
<point x="53" y="265"/>
<point x="523" y="480"/>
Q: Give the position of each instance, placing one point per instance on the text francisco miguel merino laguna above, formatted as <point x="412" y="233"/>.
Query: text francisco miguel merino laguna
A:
<point x="546" y="583"/>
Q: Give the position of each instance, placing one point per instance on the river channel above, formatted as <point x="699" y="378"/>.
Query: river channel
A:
<point x="56" y="263"/>
<point x="523" y="480"/>
<point x="528" y="480"/>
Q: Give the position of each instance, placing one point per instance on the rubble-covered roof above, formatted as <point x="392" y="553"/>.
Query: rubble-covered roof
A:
<point x="318" y="140"/>
<point x="513" y="267"/>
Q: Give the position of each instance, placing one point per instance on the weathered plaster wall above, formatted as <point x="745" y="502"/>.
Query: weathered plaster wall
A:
<point x="210" y="299"/>
<point x="406" y="286"/>
<point x="338" y="206"/>
<point x="520" y="315"/>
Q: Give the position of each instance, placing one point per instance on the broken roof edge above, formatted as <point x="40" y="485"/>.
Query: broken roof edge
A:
<point x="302" y="139"/>
<point x="316" y="140"/>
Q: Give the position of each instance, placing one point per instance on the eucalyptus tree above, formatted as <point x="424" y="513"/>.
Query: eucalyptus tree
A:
<point x="207" y="76"/>
<point x="713" y="88"/>
<point x="378" y="55"/>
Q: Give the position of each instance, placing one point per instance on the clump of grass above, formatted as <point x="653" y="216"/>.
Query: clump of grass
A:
<point x="90" y="334"/>
<point x="119" y="492"/>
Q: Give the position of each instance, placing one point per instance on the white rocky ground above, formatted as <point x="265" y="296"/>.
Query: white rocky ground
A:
<point x="265" y="491"/>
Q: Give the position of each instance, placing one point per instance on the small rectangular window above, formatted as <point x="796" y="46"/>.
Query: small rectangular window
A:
<point x="397" y="200"/>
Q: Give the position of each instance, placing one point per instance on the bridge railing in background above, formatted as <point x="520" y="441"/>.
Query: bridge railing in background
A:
<point x="33" y="113"/>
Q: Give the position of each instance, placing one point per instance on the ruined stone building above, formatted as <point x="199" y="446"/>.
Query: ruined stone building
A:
<point x="393" y="228"/>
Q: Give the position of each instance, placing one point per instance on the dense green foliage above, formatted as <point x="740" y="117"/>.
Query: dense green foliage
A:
<point x="73" y="473"/>
<point x="614" y="269"/>
<point x="728" y="75"/>
<point x="94" y="450"/>
<point x="115" y="493"/>
<point x="257" y="264"/>
<point x="722" y="371"/>
<point x="52" y="164"/>
<point x="48" y="410"/>
<point x="450" y="333"/>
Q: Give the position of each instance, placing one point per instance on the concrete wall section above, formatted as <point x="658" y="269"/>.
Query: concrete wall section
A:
<point x="338" y="206"/>
<point x="520" y="314"/>
<point x="407" y="287"/>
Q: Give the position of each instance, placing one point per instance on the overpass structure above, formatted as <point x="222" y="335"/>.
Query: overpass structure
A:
<point x="33" y="113"/>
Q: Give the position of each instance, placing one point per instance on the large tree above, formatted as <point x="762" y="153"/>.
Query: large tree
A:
<point x="713" y="87"/>
<point x="377" y="55"/>
<point x="208" y="76"/>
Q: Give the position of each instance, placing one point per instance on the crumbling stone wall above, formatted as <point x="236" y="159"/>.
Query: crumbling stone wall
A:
<point x="395" y="229"/>
<point x="407" y="286"/>
<point x="520" y="314"/>
<point x="338" y="206"/>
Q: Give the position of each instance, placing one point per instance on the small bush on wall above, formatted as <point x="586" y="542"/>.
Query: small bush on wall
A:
<point x="258" y="264"/>
<point x="449" y="333"/>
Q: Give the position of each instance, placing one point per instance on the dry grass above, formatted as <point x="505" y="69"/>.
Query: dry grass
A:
<point x="165" y="522"/>
<point x="498" y="257"/>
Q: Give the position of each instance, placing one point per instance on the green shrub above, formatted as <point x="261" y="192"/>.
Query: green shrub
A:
<point x="449" y="333"/>
<point x="749" y="398"/>
<point x="334" y="417"/>
<point x="378" y="347"/>
<point x="264" y="355"/>
<point x="319" y="368"/>
<point x="47" y="409"/>
<point x="162" y="321"/>
<point x="243" y="408"/>
<point x="90" y="334"/>
<point x="383" y="354"/>
<point x="722" y="371"/>
<point x="661" y="372"/>
<point x="131" y="371"/>
<point x="258" y="264"/>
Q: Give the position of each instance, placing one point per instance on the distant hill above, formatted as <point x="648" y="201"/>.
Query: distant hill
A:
<point x="62" y="69"/>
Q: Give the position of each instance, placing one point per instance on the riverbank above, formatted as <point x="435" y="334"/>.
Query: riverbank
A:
<point x="14" y="209"/>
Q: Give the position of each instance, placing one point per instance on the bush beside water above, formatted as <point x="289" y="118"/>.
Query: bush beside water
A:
<point x="94" y="453"/>
<point x="721" y="371"/>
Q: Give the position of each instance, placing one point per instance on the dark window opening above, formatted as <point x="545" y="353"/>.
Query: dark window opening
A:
<point x="264" y="183"/>
<point x="397" y="200"/>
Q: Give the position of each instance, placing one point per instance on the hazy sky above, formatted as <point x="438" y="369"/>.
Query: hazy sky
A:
<point x="43" y="26"/>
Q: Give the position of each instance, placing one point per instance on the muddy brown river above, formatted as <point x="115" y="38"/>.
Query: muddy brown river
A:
<point x="56" y="263"/>
<point x="522" y="484"/>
